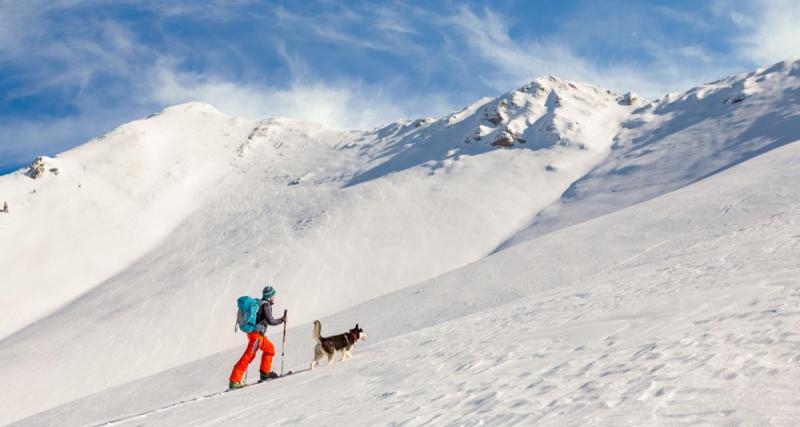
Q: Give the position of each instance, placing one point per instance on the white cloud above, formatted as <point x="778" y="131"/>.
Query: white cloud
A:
<point x="472" y="51"/>
<point x="388" y="28"/>
<point x="336" y="103"/>
<point x="207" y="10"/>
<point x="341" y="105"/>
<point x="22" y="140"/>
<point x="147" y="80"/>
<point x="514" y="61"/>
<point x="771" y="31"/>
<point x="49" y="60"/>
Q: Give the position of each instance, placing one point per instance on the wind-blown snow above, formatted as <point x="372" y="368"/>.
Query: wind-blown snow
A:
<point x="393" y="228"/>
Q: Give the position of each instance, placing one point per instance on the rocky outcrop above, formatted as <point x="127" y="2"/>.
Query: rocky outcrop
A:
<point x="503" y="139"/>
<point x="498" y="114"/>
<point x="737" y="99"/>
<point x="631" y="98"/>
<point x="36" y="169"/>
<point x="422" y="122"/>
<point x="626" y="99"/>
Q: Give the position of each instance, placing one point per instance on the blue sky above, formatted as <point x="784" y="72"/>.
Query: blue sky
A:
<point x="72" y="70"/>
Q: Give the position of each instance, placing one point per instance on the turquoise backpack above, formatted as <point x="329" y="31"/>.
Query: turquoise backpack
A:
<point x="246" y="316"/>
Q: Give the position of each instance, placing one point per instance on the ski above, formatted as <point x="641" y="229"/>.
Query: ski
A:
<point x="264" y="381"/>
<point x="192" y="400"/>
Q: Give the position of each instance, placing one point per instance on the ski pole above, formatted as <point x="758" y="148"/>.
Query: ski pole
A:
<point x="283" y="345"/>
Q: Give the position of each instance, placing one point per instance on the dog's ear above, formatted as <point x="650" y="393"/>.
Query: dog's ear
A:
<point x="356" y="326"/>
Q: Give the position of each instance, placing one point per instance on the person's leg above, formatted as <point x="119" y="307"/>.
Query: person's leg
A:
<point x="267" y="352"/>
<point x="253" y="343"/>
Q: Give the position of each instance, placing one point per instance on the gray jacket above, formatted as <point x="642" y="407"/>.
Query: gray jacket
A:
<point x="264" y="317"/>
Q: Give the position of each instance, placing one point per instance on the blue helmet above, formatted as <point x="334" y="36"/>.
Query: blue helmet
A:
<point x="268" y="293"/>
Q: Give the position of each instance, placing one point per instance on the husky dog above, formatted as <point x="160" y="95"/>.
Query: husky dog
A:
<point x="328" y="346"/>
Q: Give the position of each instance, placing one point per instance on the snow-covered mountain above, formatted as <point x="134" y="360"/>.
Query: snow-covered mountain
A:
<point x="79" y="218"/>
<point x="680" y="310"/>
<point x="97" y="208"/>
<point x="136" y="244"/>
<point x="683" y="138"/>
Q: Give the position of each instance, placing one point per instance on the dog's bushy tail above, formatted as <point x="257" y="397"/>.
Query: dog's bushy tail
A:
<point x="317" y="330"/>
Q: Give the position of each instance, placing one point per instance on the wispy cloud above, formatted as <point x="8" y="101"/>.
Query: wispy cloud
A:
<point x="73" y="69"/>
<point x="667" y="66"/>
<point x="58" y="66"/>
<point x="146" y="78"/>
<point x="345" y="104"/>
<point x="771" y="30"/>
<point x="22" y="140"/>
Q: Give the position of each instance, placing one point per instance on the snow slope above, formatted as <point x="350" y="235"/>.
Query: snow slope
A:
<point x="331" y="218"/>
<point x="100" y="206"/>
<point x="398" y="217"/>
<point x="683" y="138"/>
<point x="681" y="310"/>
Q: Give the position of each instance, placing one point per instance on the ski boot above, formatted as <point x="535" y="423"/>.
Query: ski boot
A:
<point x="233" y="385"/>
<point x="268" y="376"/>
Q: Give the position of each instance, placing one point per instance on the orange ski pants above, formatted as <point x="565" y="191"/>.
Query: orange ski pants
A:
<point x="255" y="342"/>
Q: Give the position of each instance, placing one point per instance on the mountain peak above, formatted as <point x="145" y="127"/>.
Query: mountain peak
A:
<point x="194" y="107"/>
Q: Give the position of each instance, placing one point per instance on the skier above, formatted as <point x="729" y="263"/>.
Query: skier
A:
<point x="257" y="341"/>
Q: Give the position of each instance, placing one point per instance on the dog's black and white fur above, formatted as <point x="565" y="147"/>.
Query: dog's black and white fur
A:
<point x="328" y="346"/>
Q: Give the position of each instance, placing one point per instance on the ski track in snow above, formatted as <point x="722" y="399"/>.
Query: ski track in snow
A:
<point x="189" y="401"/>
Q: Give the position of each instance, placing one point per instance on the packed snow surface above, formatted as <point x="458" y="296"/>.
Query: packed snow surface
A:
<point x="558" y="254"/>
<point x="694" y="320"/>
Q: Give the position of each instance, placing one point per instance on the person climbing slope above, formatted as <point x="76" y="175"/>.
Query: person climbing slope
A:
<point x="253" y="318"/>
